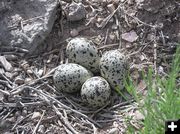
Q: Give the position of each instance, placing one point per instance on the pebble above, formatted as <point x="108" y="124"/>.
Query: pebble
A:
<point x="40" y="72"/>
<point x="74" y="32"/>
<point x="27" y="80"/>
<point x="36" y="115"/>
<point x="41" y="129"/>
<point x="19" y="80"/>
<point x="130" y="36"/>
<point x="29" y="71"/>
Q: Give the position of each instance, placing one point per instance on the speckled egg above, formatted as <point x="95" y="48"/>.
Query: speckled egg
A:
<point x="95" y="92"/>
<point x="83" y="51"/>
<point x="114" y="68"/>
<point x="70" y="77"/>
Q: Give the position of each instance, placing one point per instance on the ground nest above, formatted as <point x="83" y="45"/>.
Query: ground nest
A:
<point x="147" y="31"/>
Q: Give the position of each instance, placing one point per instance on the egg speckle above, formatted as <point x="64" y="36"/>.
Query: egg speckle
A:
<point x="95" y="92"/>
<point x="114" y="68"/>
<point x="83" y="51"/>
<point x="70" y="77"/>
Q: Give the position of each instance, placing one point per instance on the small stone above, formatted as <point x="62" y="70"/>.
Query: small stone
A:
<point x="41" y="129"/>
<point x="114" y="27"/>
<point x="99" y="19"/>
<point x="160" y="70"/>
<point x="112" y="36"/>
<point x="24" y="112"/>
<point x="27" y="80"/>
<point x="29" y="71"/>
<point x="74" y="32"/>
<point x="40" y="72"/>
<point x="36" y="115"/>
<point x="19" y="80"/>
<point x="130" y="36"/>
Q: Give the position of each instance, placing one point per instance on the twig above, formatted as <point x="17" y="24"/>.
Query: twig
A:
<point x="94" y="127"/>
<point x="20" y="88"/>
<point x="138" y="20"/>
<point x="106" y="46"/>
<point x="6" y="84"/>
<point x="61" y="104"/>
<point x="15" y="105"/>
<point x="10" y="112"/>
<point x="120" y="104"/>
<point x="111" y="120"/>
<point x="37" y="125"/>
<point x="106" y="20"/>
<point x="20" y="120"/>
<point x="106" y="37"/>
<point x="4" y="92"/>
<point x="64" y="120"/>
<point x="97" y="111"/>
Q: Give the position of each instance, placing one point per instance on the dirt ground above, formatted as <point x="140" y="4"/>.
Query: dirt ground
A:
<point x="147" y="31"/>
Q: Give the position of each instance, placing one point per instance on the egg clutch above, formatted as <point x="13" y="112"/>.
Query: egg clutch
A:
<point x="85" y="61"/>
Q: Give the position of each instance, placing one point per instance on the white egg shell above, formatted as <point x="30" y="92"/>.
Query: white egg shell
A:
<point x="83" y="51"/>
<point x="114" y="68"/>
<point x="70" y="77"/>
<point x="95" y="92"/>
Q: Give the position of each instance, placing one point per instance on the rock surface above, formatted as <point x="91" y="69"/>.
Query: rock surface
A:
<point x="75" y="11"/>
<point x="26" y="23"/>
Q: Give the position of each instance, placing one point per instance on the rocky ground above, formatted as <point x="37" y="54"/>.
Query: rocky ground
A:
<point x="147" y="31"/>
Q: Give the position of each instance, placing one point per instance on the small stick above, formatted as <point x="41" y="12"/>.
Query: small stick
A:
<point x="106" y="46"/>
<point x="120" y="104"/>
<point x="4" y="92"/>
<point x="6" y="83"/>
<point x="19" y="121"/>
<point x="64" y="120"/>
<point x="20" y="88"/>
<point x="97" y="111"/>
<point x="106" y="37"/>
<point x="94" y="127"/>
<point x="106" y="20"/>
<point x="61" y="104"/>
<point x="37" y="125"/>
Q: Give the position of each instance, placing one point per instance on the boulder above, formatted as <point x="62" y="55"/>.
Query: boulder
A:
<point x="26" y="23"/>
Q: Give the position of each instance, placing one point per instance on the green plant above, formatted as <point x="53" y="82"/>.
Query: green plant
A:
<point x="162" y="101"/>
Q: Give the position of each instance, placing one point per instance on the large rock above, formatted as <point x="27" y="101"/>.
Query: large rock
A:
<point x="26" y="23"/>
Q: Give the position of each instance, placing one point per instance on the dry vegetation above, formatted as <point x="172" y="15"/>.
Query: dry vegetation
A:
<point x="148" y="33"/>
